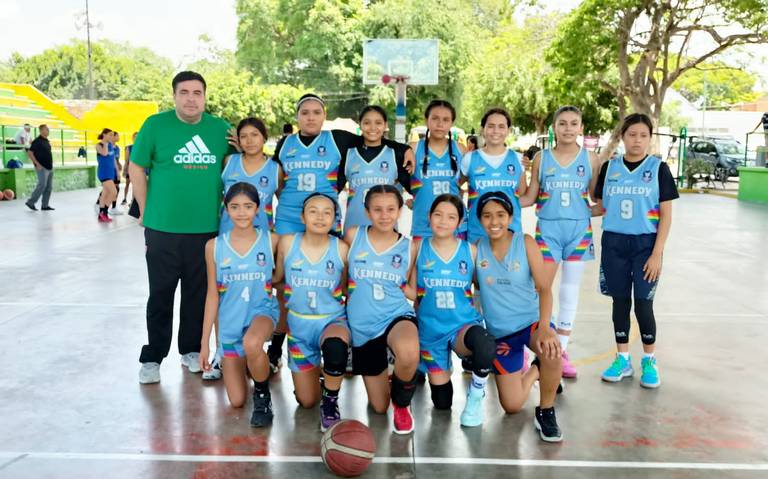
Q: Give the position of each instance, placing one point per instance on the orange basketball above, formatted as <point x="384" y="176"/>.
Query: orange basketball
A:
<point x="348" y="448"/>
<point x="2" y="195"/>
<point x="9" y="194"/>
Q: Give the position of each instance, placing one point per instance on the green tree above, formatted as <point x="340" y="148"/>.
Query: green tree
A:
<point x="120" y="72"/>
<point x="723" y="85"/>
<point x="234" y="93"/>
<point x="524" y="83"/>
<point x="637" y="49"/>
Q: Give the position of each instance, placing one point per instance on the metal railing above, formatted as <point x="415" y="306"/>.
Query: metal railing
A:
<point x="68" y="146"/>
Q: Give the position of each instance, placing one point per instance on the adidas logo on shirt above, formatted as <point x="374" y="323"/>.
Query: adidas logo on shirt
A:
<point x="195" y="151"/>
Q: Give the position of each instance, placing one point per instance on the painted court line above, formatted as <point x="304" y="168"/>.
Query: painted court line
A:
<point x="714" y="466"/>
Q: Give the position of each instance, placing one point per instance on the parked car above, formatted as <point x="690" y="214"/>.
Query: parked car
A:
<point x="724" y="153"/>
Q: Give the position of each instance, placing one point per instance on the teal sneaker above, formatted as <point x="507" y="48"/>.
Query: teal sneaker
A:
<point x="472" y="415"/>
<point x="620" y="368"/>
<point x="650" y="377"/>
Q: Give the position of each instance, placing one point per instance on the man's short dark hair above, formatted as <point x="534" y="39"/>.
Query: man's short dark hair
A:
<point x="287" y="128"/>
<point x="42" y="126"/>
<point x="187" y="76"/>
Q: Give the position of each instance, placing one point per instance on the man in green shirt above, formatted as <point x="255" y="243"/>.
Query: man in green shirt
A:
<point x="183" y="150"/>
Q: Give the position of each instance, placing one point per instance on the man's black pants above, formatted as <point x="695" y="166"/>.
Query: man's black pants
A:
<point x="172" y="257"/>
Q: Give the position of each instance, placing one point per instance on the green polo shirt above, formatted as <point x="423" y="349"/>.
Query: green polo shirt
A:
<point x="185" y="163"/>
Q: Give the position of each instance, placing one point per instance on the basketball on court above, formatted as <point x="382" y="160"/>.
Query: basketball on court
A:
<point x="2" y="195"/>
<point x="348" y="448"/>
<point x="8" y="194"/>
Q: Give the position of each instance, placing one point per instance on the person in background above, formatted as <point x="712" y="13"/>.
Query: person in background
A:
<point x="39" y="152"/>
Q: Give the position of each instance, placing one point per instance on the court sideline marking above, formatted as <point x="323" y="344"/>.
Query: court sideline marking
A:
<point x="713" y="466"/>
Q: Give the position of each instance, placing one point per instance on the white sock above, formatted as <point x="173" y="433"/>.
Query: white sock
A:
<point x="478" y="382"/>
<point x="647" y="355"/>
<point x="624" y="355"/>
<point x="563" y="341"/>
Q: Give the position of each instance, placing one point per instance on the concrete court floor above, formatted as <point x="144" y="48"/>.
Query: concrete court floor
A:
<point x="72" y="299"/>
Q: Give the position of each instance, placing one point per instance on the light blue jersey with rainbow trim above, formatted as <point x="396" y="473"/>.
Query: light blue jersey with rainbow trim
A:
<point x="313" y="290"/>
<point x="439" y="179"/>
<point x="265" y="179"/>
<point x="631" y="198"/>
<point x="444" y="290"/>
<point x="482" y="178"/>
<point x="507" y="292"/>
<point x="361" y="176"/>
<point x="306" y="169"/>
<point x="375" y="286"/>
<point x="244" y="283"/>
<point x="564" y="191"/>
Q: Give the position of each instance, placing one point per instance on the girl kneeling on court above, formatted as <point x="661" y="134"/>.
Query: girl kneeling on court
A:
<point x="240" y="266"/>
<point x="516" y="295"/>
<point x="380" y="316"/>
<point x="636" y="192"/>
<point x="312" y="265"/>
<point x="448" y="320"/>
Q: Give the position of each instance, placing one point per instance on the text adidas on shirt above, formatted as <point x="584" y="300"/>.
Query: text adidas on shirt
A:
<point x="194" y="152"/>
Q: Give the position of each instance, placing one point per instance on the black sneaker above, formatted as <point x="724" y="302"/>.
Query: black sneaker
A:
<point x="31" y="206"/>
<point x="48" y="208"/>
<point x="536" y="363"/>
<point x="262" y="410"/>
<point x="546" y="423"/>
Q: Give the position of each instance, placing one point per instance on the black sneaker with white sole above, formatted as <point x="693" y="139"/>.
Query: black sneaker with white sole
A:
<point x="546" y="423"/>
<point x="262" y="409"/>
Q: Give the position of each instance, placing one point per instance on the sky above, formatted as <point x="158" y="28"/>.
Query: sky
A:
<point x="169" y="27"/>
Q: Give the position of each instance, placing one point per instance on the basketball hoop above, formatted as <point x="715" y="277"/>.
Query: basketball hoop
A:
<point x="387" y="79"/>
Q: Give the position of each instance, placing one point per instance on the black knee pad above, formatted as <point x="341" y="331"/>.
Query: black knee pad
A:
<point x="646" y="320"/>
<point x="334" y="356"/>
<point x="483" y="347"/>
<point x="442" y="395"/>
<point x="402" y="391"/>
<point x="620" y="314"/>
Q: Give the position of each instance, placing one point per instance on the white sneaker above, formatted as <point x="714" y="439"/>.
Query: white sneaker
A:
<point x="115" y="211"/>
<point x="192" y="362"/>
<point x="149" y="373"/>
<point x="215" y="372"/>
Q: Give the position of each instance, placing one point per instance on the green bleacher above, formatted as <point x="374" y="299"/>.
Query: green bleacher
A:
<point x="16" y="110"/>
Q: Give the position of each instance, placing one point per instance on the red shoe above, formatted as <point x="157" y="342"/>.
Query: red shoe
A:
<point x="103" y="218"/>
<point x="402" y="419"/>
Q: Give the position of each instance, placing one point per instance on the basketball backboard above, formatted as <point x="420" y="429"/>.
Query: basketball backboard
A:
<point x="416" y="59"/>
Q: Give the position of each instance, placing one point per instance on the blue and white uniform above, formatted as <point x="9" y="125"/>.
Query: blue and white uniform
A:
<point x="306" y="169"/>
<point x="510" y="301"/>
<point x="631" y="203"/>
<point x="564" y="228"/>
<point x="361" y="176"/>
<point x="245" y="288"/>
<point x="483" y="177"/>
<point x="265" y="179"/>
<point x="440" y="178"/>
<point x="376" y="282"/>
<point x="445" y="308"/>
<point x="314" y="299"/>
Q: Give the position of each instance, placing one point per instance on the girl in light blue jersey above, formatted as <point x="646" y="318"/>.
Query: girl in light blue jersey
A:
<point x="371" y="164"/>
<point x="380" y="316"/>
<point x="517" y="303"/>
<point x="636" y="192"/>
<point x="252" y="166"/>
<point x="562" y="184"/>
<point x="493" y="168"/>
<point x="240" y="265"/>
<point x="448" y="320"/>
<point x="312" y="265"/>
<point x="437" y="167"/>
